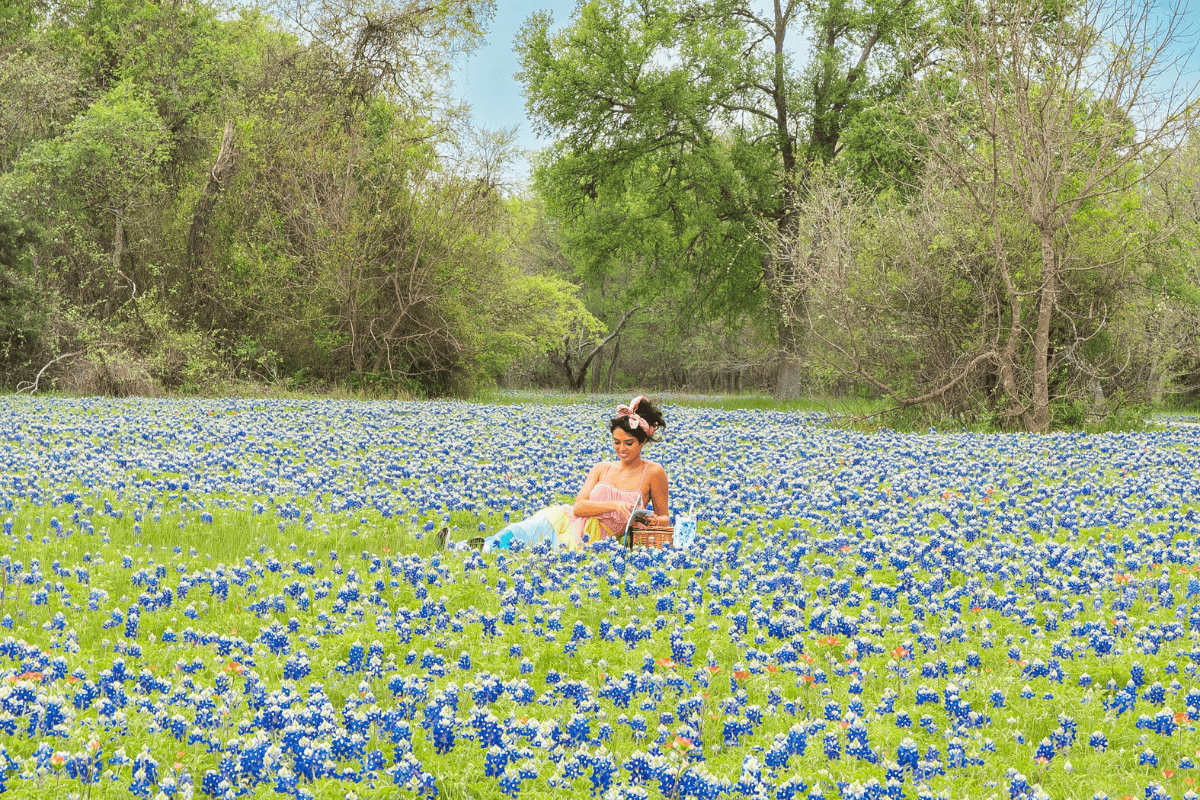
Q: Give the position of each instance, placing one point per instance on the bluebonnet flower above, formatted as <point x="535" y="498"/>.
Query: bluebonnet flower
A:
<point x="831" y="746"/>
<point x="510" y="783"/>
<point x="604" y="768"/>
<point x="443" y="730"/>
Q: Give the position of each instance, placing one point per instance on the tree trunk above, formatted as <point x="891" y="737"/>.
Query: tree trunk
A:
<point x="790" y="301"/>
<point x="1017" y="407"/>
<point x="199" y="244"/>
<point x="577" y="379"/>
<point x="580" y="377"/>
<point x="612" y="364"/>
<point x="118" y="247"/>
<point x="1040" y="406"/>
<point x="779" y="273"/>
<point x="789" y="378"/>
<point x="597" y="371"/>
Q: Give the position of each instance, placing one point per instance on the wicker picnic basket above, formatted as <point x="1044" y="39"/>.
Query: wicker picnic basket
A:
<point x="651" y="537"/>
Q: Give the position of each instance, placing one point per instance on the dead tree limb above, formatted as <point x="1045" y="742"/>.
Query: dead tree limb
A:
<point x="576" y="377"/>
<point x="31" y="388"/>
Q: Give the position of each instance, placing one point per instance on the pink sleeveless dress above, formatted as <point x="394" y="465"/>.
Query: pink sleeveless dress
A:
<point x="606" y="525"/>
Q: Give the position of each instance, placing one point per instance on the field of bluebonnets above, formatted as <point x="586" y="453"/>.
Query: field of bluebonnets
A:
<point x="241" y="597"/>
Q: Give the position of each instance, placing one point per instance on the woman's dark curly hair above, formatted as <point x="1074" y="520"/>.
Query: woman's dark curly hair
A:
<point x="640" y="410"/>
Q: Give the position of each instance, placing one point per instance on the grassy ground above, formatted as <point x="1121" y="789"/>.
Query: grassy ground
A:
<point x="834" y="407"/>
<point x="843" y="586"/>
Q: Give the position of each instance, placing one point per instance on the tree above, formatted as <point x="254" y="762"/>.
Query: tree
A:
<point x="1008" y="271"/>
<point x="179" y="183"/>
<point x="683" y="127"/>
<point x="1061" y="110"/>
<point x="904" y="297"/>
<point x="22" y="317"/>
<point x="17" y="17"/>
<point x="581" y="346"/>
<point x="89" y="189"/>
<point x="36" y="99"/>
<point x="402" y="49"/>
<point x="1164" y="313"/>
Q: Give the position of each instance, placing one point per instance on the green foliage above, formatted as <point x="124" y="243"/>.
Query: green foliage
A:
<point x="350" y="232"/>
<point x="16" y="18"/>
<point x="22" y="317"/>
<point x="650" y="193"/>
<point x="386" y="268"/>
<point x="37" y="97"/>
<point x="113" y="150"/>
<point x="878" y="150"/>
<point x="93" y="191"/>
<point x="326" y="238"/>
<point x="1066" y="413"/>
<point x="1121" y="417"/>
<point x="141" y="350"/>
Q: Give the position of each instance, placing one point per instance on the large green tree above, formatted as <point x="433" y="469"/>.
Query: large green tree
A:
<point x="94" y="189"/>
<point x="684" y="129"/>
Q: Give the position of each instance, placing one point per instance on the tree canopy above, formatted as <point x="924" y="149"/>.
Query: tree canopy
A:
<point x="698" y="145"/>
<point x="191" y="196"/>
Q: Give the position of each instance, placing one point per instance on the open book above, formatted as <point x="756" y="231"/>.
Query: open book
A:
<point x="639" y="514"/>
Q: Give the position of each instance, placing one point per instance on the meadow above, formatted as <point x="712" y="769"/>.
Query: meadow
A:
<point x="235" y="598"/>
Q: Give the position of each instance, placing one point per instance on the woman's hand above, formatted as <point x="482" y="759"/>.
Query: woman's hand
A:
<point x="624" y="509"/>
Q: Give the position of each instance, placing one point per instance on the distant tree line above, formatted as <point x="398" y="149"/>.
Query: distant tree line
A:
<point x="984" y="209"/>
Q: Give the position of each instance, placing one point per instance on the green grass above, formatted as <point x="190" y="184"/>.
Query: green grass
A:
<point x="235" y="536"/>
<point x="360" y="537"/>
<point x="724" y="402"/>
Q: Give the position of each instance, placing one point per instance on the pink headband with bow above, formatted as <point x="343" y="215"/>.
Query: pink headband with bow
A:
<point x="630" y="411"/>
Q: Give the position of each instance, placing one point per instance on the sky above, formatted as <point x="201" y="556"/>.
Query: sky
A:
<point x="486" y="81"/>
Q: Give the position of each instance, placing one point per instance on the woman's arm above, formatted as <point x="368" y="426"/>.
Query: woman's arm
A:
<point x="585" y="507"/>
<point x="660" y="496"/>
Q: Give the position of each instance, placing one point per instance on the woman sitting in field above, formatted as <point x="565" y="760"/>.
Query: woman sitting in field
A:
<point x="608" y="497"/>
